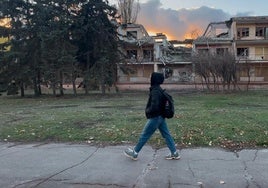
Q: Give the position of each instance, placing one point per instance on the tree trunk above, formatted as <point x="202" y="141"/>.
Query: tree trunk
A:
<point x="53" y="86"/>
<point x="102" y="88"/>
<point x="73" y="83"/>
<point x="61" y="83"/>
<point x="22" y="94"/>
<point x="86" y="81"/>
<point x="36" y="92"/>
<point x="39" y="83"/>
<point x="102" y="80"/>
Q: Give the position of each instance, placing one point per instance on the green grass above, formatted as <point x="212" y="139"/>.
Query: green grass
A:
<point x="232" y="121"/>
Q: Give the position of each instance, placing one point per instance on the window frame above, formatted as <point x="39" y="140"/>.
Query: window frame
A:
<point x="132" y="54"/>
<point x="242" y="32"/>
<point x="260" y="31"/>
<point x="132" y="35"/>
<point x="240" y="52"/>
<point x="148" y="54"/>
<point x="221" y="51"/>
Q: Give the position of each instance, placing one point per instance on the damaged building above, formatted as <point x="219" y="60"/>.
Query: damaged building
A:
<point x="247" y="39"/>
<point x="144" y="54"/>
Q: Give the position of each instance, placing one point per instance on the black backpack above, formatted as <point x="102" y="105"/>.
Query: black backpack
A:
<point x="169" y="105"/>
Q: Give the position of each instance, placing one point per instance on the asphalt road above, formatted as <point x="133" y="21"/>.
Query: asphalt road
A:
<point x="66" y="165"/>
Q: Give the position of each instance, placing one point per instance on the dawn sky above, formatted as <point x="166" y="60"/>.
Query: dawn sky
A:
<point x="179" y="18"/>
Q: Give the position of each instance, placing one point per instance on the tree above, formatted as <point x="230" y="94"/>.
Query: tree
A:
<point x="128" y="10"/>
<point x="23" y="57"/>
<point x="58" y="52"/>
<point x="96" y="36"/>
<point x="4" y="46"/>
<point x="220" y="68"/>
<point x="18" y="68"/>
<point x="227" y="69"/>
<point x="50" y="40"/>
<point x="201" y="67"/>
<point x="39" y="29"/>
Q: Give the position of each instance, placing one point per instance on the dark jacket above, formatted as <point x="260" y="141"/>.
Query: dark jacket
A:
<point x="156" y="103"/>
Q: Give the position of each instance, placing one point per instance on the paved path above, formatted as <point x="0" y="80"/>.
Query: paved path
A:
<point x="83" y="166"/>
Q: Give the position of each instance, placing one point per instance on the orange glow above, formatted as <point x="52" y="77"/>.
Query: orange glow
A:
<point x="5" y="22"/>
<point x="192" y="32"/>
<point x="171" y="37"/>
<point x="154" y="32"/>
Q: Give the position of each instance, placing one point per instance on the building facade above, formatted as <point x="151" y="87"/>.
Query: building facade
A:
<point x="144" y="54"/>
<point x="247" y="39"/>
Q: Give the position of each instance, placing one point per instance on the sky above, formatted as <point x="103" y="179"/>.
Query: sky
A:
<point x="181" y="19"/>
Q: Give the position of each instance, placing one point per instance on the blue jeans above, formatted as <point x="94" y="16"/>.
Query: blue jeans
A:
<point x="150" y="127"/>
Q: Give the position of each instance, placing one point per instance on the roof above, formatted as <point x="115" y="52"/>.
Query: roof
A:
<point x="250" y="19"/>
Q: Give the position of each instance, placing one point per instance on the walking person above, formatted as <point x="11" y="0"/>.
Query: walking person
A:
<point x="154" y="113"/>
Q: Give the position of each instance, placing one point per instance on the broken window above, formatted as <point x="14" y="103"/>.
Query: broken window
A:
<point x="242" y="52"/>
<point x="203" y="51"/>
<point x="148" y="55"/>
<point x="167" y="72"/>
<point x="242" y="32"/>
<point x="131" y="35"/>
<point x="221" y="51"/>
<point x="132" y="54"/>
<point x="260" y="31"/>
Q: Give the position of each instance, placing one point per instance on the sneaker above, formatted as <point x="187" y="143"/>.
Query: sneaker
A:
<point x="131" y="154"/>
<point x="174" y="156"/>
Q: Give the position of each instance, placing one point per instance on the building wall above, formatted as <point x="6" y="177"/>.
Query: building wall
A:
<point x="255" y="66"/>
<point x="140" y="66"/>
<point x="138" y="73"/>
<point x="250" y="49"/>
<point x="174" y="73"/>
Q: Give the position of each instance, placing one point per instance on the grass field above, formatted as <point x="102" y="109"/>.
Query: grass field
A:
<point x="232" y="121"/>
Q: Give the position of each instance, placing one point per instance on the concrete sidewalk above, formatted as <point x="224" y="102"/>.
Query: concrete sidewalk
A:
<point x="82" y="166"/>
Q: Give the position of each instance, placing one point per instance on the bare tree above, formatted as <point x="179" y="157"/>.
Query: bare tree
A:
<point x="219" y="68"/>
<point x="195" y="33"/>
<point x="128" y="10"/>
<point x="201" y="67"/>
<point x="227" y="69"/>
<point x="246" y="70"/>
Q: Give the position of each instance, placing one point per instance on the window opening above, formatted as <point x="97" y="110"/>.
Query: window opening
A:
<point x="242" y="52"/>
<point x="242" y="32"/>
<point x="132" y="35"/>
